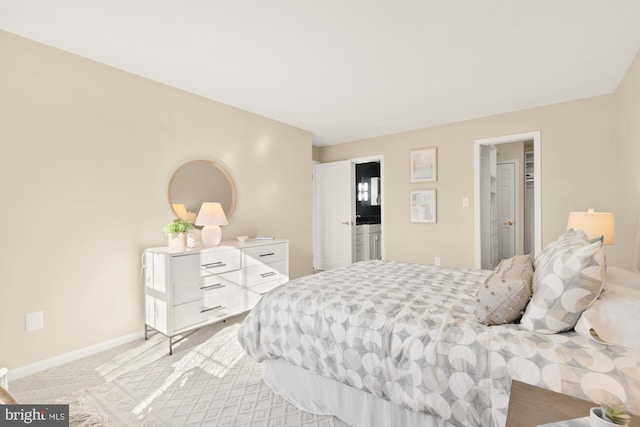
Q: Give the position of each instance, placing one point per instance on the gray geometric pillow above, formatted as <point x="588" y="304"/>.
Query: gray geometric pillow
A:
<point x="568" y="277"/>
<point x="545" y="257"/>
<point x="505" y="294"/>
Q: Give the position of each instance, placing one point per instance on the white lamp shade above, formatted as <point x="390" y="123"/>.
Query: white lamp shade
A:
<point x="212" y="216"/>
<point x="594" y="224"/>
<point x="211" y="213"/>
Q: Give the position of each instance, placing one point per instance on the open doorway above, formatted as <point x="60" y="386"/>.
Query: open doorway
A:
<point x="507" y="194"/>
<point x="367" y="242"/>
<point x="348" y="215"/>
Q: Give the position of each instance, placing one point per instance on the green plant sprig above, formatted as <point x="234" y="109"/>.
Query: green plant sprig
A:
<point x="616" y="414"/>
<point x="178" y="225"/>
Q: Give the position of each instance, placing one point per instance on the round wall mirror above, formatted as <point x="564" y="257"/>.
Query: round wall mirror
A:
<point x="200" y="181"/>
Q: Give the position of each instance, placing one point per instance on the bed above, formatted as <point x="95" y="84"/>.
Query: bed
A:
<point x="384" y="343"/>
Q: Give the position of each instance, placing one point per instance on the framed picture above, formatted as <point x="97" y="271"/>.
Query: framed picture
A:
<point x="424" y="165"/>
<point x="423" y="206"/>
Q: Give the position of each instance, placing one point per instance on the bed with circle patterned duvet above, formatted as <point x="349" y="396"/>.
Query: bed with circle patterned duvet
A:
<point x="407" y="333"/>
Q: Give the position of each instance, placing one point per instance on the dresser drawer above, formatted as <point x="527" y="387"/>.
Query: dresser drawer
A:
<point x="193" y="289"/>
<point x="276" y="272"/>
<point x="190" y="289"/>
<point x="263" y="288"/>
<point x="264" y="254"/>
<point x="205" y="263"/>
<point x="214" y="306"/>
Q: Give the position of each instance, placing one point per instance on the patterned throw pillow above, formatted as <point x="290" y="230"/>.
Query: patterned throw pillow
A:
<point x="545" y="257"/>
<point x="506" y="292"/>
<point x="518" y="267"/>
<point x="568" y="277"/>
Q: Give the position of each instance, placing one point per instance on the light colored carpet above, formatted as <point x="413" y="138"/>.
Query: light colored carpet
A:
<point x="212" y="383"/>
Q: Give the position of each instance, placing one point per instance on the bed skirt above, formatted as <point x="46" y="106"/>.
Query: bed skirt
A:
<point x="323" y="396"/>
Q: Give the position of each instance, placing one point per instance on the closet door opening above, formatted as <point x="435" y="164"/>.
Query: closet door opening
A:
<point x="507" y="208"/>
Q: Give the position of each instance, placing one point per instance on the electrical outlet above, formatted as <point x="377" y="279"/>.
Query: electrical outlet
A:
<point x="436" y="261"/>
<point x="34" y="321"/>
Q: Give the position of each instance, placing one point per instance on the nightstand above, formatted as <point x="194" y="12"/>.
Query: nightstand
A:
<point x="530" y="406"/>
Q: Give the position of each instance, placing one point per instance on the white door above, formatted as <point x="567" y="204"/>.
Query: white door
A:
<point x="506" y="205"/>
<point x="334" y="214"/>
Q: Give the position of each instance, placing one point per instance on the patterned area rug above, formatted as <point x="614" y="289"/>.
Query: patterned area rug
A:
<point x="212" y="384"/>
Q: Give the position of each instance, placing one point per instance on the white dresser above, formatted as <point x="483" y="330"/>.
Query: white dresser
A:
<point x="185" y="290"/>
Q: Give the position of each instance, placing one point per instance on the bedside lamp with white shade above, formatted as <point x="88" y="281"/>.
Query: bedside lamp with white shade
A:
<point x="211" y="216"/>
<point x="594" y="225"/>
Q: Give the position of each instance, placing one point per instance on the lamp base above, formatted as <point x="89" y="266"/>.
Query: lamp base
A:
<point x="211" y="235"/>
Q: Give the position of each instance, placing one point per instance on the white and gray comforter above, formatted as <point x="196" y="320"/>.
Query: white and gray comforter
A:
<point x="407" y="333"/>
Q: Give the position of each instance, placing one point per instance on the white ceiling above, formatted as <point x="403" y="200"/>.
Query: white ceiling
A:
<point x="352" y="69"/>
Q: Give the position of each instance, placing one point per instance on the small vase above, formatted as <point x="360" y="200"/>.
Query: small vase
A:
<point x="597" y="419"/>
<point x="177" y="241"/>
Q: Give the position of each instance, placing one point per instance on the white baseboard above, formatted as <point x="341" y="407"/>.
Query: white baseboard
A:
<point x="24" y="371"/>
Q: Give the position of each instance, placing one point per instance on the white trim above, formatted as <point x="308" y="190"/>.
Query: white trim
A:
<point x="367" y="159"/>
<point x="314" y="235"/>
<point x="537" y="187"/>
<point x="33" y="368"/>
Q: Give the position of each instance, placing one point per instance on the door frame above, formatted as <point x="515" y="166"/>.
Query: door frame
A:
<point x="537" y="188"/>
<point x="354" y="161"/>
<point x="314" y="233"/>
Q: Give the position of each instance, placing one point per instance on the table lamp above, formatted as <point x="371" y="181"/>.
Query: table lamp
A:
<point x="211" y="216"/>
<point x="594" y="225"/>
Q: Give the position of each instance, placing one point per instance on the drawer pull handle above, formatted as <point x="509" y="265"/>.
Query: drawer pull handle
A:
<point x="217" y="285"/>
<point x="271" y="273"/>
<point x="214" y="265"/>
<point x="269" y="254"/>
<point x="217" y="307"/>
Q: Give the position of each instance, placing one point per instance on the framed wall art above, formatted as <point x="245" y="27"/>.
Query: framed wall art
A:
<point x="423" y="206"/>
<point x="424" y="164"/>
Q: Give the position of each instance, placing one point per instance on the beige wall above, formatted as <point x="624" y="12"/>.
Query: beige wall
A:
<point x="627" y="171"/>
<point x="87" y="154"/>
<point x="316" y="153"/>
<point x="578" y="172"/>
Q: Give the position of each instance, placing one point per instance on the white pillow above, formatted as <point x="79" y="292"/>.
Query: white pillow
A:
<point x="621" y="277"/>
<point x="614" y="317"/>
